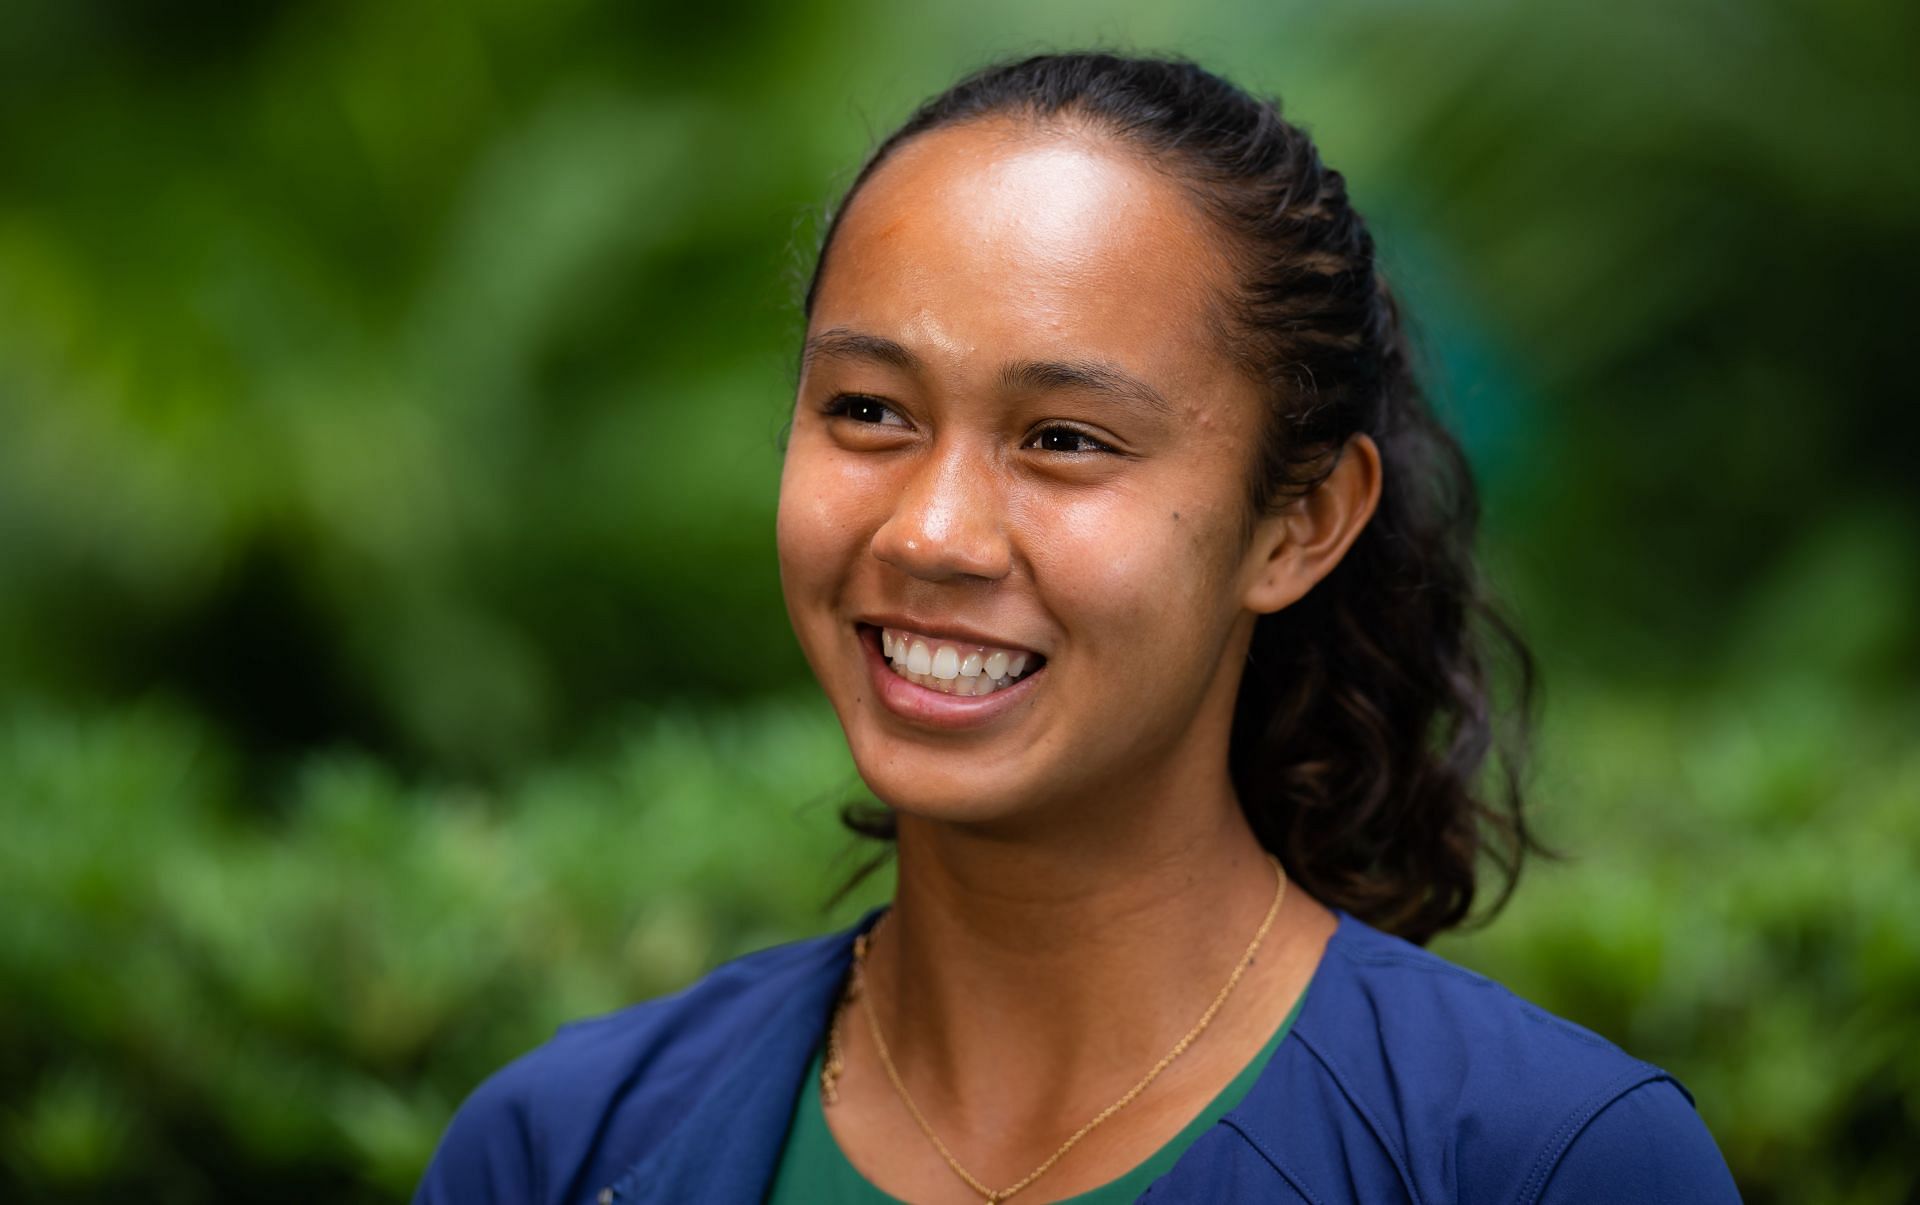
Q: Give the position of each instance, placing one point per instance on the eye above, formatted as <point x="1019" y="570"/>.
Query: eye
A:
<point x="1066" y="440"/>
<point x="859" y="408"/>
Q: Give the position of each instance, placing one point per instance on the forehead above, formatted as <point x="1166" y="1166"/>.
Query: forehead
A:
<point x="993" y="236"/>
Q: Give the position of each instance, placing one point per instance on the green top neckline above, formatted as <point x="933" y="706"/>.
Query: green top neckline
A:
<point x="813" y="1169"/>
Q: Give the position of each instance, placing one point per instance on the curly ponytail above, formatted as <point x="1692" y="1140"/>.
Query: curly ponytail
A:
<point x="1365" y="716"/>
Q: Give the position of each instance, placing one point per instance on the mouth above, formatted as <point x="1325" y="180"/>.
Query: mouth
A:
<point x="951" y="666"/>
<point x="943" y="681"/>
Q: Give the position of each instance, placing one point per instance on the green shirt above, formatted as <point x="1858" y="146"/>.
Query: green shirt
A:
<point x="813" y="1171"/>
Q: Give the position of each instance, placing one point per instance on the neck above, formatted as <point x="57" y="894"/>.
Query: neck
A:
<point x="1078" y="961"/>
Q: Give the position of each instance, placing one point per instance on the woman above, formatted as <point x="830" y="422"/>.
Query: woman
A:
<point x="1115" y="529"/>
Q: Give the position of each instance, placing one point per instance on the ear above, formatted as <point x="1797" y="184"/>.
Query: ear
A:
<point x="1294" y="548"/>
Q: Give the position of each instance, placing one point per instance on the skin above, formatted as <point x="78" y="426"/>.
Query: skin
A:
<point x="1076" y="879"/>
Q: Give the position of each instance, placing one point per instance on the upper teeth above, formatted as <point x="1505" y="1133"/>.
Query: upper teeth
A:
<point x="950" y="666"/>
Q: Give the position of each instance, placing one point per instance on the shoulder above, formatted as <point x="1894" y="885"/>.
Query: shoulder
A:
<point x="1474" y="1093"/>
<point x="1647" y="1144"/>
<point x="1415" y="1009"/>
<point x="574" y="1112"/>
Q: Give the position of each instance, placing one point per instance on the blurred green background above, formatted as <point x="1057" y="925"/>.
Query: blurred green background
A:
<point x="392" y="663"/>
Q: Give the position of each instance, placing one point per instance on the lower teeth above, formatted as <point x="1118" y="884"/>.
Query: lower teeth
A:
<point x="981" y="685"/>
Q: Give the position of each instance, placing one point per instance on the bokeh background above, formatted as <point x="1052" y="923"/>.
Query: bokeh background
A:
<point x="392" y="664"/>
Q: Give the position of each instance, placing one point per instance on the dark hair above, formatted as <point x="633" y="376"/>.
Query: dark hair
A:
<point x="1366" y="712"/>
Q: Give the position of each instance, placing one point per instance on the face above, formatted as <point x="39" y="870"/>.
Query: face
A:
<point x="1018" y="448"/>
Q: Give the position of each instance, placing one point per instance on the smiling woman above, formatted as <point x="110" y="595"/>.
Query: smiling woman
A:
<point x="1116" y="531"/>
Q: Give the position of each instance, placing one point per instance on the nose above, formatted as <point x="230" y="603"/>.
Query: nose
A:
<point x="949" y="520"/>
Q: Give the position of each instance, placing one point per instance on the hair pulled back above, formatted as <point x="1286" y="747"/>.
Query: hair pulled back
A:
<point x="1365" y="716"/>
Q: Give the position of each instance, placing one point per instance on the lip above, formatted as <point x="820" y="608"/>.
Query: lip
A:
<point x="929" y="708"/>
<point x="944" y="631"/>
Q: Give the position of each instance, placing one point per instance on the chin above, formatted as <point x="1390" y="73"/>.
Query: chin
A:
<point x="917" y="786"/>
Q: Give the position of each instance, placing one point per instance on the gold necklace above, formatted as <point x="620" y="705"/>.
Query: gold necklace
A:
<point x="834" y="1064"/>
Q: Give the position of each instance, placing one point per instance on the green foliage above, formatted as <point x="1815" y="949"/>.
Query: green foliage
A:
<point x="209" y="1005"/>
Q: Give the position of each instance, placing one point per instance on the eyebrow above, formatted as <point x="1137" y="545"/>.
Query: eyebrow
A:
<point x="843" y="344"/>
<point x="1092" y="376"/>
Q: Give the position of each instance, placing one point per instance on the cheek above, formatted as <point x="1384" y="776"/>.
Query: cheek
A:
<point x="831" y="504"/>
<point x="1130" y="577"/>
<point x="817" y="525"/>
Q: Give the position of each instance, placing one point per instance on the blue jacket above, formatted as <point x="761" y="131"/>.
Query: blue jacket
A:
<point x="1405" y="1079"/>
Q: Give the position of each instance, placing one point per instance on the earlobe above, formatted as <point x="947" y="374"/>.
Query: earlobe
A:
<point x="1294" y="548"/>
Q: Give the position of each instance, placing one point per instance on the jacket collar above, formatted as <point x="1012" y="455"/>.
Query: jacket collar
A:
<point x="728" y="1146"/>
